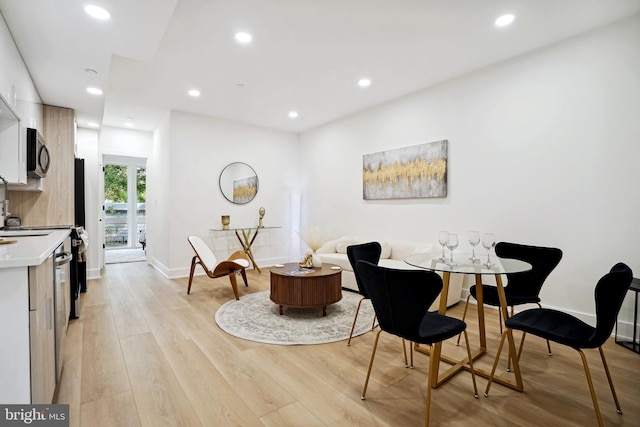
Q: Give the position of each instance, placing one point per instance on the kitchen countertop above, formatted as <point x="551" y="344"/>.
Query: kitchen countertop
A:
<point x="29" y="250"/>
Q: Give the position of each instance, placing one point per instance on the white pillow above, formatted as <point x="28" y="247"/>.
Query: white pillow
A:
<point x="343" y="242"/>
<point x="386" y="250"/>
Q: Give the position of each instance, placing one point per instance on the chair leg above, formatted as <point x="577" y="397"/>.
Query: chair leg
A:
<point x="193" y="269"/>
<point x="473" y="374"/>
<point x="433" y="371"/>
<point x="591" y="389"/>
<point x="411" y="344"/>
<point x="495" y="365"/>
<point x="613" y="390"/>
<point x="404" y="351"/>
<point x="244" y="277"/>
<point x="234" y="284"/>
<point x="355" y="318"/>
<point x="373" y="355"/>
<point x="464" y="314"/>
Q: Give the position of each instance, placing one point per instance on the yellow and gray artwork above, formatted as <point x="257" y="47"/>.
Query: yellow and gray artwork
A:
<point x="244" y="190"/>
<point x="418" y="171"/>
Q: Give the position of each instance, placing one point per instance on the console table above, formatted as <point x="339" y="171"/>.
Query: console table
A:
<point x="246" y="237"/>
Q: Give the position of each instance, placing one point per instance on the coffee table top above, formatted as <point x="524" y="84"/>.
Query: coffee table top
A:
<point x="292" y="269"/>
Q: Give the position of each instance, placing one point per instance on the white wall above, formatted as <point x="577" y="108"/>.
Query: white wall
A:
<point x="543" y="150"/>
<point x="159" y="197"/>
<point x="87" y="143"/>
<point x="183" y="181"/>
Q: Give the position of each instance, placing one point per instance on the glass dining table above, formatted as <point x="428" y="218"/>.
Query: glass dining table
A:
<point x="461" y="264"/>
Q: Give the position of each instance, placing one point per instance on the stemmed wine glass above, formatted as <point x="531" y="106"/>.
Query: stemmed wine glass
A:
<point x="488" y="241"/>
<point x="474" y="239"/>
<point x="443" y="238"/>
<point x="452" y="244"/>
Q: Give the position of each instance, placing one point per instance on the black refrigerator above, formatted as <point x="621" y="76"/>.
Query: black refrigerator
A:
<point x="78" y="282"/>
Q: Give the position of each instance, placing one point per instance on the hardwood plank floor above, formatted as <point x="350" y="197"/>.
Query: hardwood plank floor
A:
<point x="144" y="353"/>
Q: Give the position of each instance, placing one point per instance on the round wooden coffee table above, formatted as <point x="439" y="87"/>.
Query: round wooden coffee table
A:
<point x="319" y="288"/>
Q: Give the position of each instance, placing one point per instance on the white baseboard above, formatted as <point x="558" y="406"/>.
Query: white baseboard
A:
<point x="181" y="272"/>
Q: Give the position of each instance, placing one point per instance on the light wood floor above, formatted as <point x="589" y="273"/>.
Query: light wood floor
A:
<point x="146" y="353"/>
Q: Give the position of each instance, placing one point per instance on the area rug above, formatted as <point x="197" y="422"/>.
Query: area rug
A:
<point x="118" y="256"/>
<point x="255" y="317"/>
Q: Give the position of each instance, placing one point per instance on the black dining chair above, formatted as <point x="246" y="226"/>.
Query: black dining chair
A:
<point x="568" y="330"/>
<point x="401" y="300"/>
<point x="522" y="288"/>
<point x="367" y="252"/>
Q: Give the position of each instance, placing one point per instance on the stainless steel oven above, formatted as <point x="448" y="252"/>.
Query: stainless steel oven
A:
<point x="61" y="281"/>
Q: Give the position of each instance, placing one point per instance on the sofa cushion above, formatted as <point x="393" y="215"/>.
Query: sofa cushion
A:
<point x="338" y="259"/>
<point x="343" y="242"/>
<point x="401" y="250"/>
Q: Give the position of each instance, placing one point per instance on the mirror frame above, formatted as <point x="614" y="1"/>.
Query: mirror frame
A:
<point x="226" y="178"/>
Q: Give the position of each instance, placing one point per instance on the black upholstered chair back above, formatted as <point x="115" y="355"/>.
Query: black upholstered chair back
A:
<point x="366" y="252"/>
<point x="400" y="298"/>
<point x="528" y="283"/>
<point x="609" y="295"/>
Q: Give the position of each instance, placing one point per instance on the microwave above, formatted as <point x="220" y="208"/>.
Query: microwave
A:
<point x="38" y="159"/>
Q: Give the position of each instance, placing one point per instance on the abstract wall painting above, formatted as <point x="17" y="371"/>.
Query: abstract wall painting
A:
<point x="418" y="171"/>
<point x="245" y="189"/>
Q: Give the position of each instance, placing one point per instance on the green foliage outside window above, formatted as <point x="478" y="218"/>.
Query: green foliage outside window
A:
<point x="115" y="184"/>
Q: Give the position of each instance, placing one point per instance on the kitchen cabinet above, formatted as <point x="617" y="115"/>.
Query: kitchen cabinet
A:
<point x="28" y="311"/>
<point x="42" y="332"/>
<point x="13" y="159"/>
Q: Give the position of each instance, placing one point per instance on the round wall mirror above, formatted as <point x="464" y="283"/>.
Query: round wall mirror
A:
<point x="238" y="183"/>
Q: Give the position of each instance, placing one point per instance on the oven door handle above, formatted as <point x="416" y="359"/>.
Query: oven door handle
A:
<point x="63" y="258"/>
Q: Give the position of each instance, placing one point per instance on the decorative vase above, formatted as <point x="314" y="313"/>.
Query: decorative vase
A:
<point x="225" y="222"/>
<point x="316" y="260"/>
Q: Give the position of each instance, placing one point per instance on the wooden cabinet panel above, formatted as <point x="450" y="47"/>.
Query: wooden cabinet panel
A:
<point x="42" y="332"/>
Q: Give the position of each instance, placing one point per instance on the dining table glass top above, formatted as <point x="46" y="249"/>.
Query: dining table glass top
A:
<point x="462" y="264"/>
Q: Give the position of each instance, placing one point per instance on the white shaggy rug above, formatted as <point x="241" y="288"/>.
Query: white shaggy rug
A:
<point x="255" y="318"/>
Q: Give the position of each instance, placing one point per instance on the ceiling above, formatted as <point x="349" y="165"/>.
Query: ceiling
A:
<point x="306" y="55"/>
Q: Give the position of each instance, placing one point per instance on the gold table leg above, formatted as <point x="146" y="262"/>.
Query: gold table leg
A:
<point x="463" y="364"/>
<point x="246" y="241"/>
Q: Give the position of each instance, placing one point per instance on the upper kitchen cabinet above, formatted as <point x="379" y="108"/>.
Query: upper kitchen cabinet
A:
<point x="13" y="164"/>
<point x="54" y="205"/>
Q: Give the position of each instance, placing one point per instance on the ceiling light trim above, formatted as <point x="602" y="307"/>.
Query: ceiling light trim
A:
<point x="97" y="12"/>
<point x="505" y="20"/>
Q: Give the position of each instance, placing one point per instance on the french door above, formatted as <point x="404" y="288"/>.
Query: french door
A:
<point x="124" y="201"/>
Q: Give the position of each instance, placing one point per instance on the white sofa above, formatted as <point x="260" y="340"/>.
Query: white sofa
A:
<point x="392" y="256"/>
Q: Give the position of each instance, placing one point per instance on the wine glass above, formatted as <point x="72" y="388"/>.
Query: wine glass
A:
<point x="443" y="238"/>
<point x="452" y="244"/>
<point x="474" y="239"/>
<point x="488" y="241"/>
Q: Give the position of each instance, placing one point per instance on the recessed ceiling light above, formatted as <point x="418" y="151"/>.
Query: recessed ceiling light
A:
<point x="97" y="12"/>
<point x="505" y="20"/>
<point x="293" y="114"/>
<point x="243" y="37"/>
<point x="364" y="82"/>
<point x="94" y="90"/>
<point x="194" y="92"/>
<point x="93" y="125"/>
